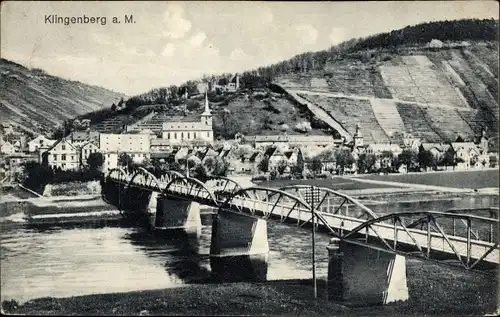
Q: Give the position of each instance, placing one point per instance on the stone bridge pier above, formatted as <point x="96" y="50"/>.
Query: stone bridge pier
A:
<point x="135" y="200"/>
<point x="112" y="192"/>
<point x="362" y="276"/>
<point x="239" y="248"/>
<point x="173" y="213"/>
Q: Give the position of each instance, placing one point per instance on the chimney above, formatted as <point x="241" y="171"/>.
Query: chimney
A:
<point x="237" y="81"/>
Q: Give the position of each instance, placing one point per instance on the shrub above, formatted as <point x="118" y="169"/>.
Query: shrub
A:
<point x="259" y="178"/>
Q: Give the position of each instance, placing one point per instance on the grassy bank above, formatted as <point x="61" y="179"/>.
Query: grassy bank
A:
<point x="434" y="290"/>
<point x="459" y="179"/>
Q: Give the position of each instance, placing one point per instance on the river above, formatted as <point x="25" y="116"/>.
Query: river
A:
<point x="115" y="257"/>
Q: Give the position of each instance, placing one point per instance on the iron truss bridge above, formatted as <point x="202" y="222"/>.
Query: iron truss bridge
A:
<point x="454" y="237"/>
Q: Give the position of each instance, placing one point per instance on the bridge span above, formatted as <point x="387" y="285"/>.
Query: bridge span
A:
<point x="367" y="252"/>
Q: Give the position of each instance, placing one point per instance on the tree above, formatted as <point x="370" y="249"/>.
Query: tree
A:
<point x="426" y="158"/>
<point x="343" y="158"/>
<point x="200" y="173"/>
<point x="298" y="168"/>
<point x="221" y="167"/>
<point x="125" y="160"/>
<point x="366" y="161"/>
<point x="315" y="165"/>
<point x="95" y="160"/>
<point x="408" y="158"/>
<point x="282" y="165"/>
<point x="264" y="165"/>
<point x="113" y="107"/>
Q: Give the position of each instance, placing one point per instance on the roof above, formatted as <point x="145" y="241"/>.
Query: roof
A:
<point x="254" y="156"/>
<point x="464" y="145"/>
<point x="59" y="141"/>
<point x="270" y="151"/>
<point x="288" y="154"/>
<point x="438" y="146"/>
<point x="380" y="147"/>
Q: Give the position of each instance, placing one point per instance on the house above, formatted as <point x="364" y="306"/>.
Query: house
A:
<point x="85" y="151"/>
<point x="467" y="154"/>
<point x="63" y="154"/>
<point x="184" y="130"/>
<point x="14" y="161"/>
<point x="438" y="150"/>
<point x="39" y="141"/>
<point x="276" y="157"/>
<point x="7" y="148"/>
<point x="380" y="150"/>
<point x="225" y="85"/>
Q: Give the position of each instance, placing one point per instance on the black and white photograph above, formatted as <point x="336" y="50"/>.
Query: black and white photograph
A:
<point x="249" y="158"/>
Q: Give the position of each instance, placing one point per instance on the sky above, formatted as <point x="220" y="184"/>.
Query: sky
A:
<point x="171" y="42"/>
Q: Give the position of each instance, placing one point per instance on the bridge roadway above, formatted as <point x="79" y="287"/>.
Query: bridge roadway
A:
<point x="345" y="218"/>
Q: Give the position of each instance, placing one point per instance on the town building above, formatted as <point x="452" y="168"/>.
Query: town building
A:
<point x="85" y="151"/>
<point x="225" y="85"/>
<point x="136" y="145"/>
<point x="39" y="142"/>
<point x="7" y="147"/>
<point x="186" y="130"/>
<point x="62" y="155"/>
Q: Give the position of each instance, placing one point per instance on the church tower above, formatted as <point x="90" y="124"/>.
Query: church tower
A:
<point x="206" y="116"/>
<point x="207" y="132"/>
<point x="358" y="137"/>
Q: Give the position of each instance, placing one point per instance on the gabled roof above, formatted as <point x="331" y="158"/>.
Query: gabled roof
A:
<point x="463" y="145"/>
<point x="254" y="156"/>
<point x="270" y="151"/>
<point x="63" y="140"/>
<point x="438" y="146"/>
<point x="288" y="154"/>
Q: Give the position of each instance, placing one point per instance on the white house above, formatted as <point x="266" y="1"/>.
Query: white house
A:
<point x="85" y="151"/>
<point x="136" y="145"/>
<point x="64" y="155"/>
<point x="7" y="148"/>
<point x="468" y="152"/>
<point x="39" y="141"/>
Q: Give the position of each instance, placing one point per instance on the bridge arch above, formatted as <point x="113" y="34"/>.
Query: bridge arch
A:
<point x="267" y="202"/>
<point x="465" y="249"/>
<point x="332" y="198"/>
<point x="192" y="186"/>
<point x="149" y="179"/>
<point x="170" y="175"/>
<point x="223" y="183"/>
<point x="119" y="173"/>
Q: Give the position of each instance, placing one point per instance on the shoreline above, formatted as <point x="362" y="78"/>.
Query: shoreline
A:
<point x="278" y="297"/>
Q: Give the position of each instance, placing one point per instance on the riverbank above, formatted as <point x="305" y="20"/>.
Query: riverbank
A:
<point x="434" y="289"/>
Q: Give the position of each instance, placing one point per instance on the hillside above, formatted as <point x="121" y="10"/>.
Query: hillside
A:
<point x="32" y="99"/>
<point x="437" y="94"/>
<point x="437" y="80"/>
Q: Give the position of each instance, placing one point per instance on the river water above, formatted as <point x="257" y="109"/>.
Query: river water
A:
<point x="77" y="260"/>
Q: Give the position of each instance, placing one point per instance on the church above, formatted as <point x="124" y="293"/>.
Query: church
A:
<point x="186" y="130"/>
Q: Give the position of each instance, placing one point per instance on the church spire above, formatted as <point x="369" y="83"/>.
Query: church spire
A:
<point x="207" y="109"/>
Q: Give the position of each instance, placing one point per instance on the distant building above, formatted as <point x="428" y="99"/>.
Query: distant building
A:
<point x="38" y="142"/>
<point x="7" y="148"/>
<point x="184" y="131"/>
<point x="136" y="145"/>
<point x="64" y="155"/>
<point x="225" y="85"/>
<point x="86" y="150"/>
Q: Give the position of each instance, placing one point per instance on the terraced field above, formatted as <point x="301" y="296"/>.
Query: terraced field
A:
<point x="437" y="95"/>
<point x="350" y="113"/>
